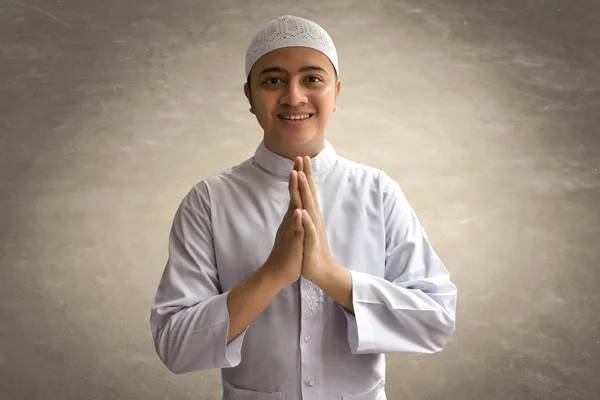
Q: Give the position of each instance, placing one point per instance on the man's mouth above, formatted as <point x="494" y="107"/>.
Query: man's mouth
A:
<point x="295" y="117"/>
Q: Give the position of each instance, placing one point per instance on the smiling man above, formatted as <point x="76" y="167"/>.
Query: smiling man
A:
<point x="297" y="270"/>
<point x="293" y="105"/>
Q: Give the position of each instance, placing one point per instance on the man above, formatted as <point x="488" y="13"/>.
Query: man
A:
<point x="296" y="270"/>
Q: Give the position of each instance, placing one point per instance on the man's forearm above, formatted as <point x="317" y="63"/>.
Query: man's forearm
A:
<point x="336" y="282"/>
<point x="248" y="299"/>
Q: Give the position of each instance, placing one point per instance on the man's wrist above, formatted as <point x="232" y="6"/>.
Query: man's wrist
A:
<point x="324" y="275"/>
<point x="271" y="276"/>
<point x="336" y="281"/>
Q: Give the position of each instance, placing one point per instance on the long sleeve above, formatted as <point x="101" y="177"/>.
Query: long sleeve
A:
<point x="411" y="309"/>
<point x="189" y="318"/>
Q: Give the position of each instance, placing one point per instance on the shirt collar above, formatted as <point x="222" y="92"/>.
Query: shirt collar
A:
<point x="282" y="166"/>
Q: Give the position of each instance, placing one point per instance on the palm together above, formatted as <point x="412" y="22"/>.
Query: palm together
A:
<point x="316" y="255"/>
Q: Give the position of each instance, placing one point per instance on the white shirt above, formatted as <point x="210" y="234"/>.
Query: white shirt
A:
<point x="304" y="345"/>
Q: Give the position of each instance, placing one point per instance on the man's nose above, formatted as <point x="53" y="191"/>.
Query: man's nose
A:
<point x="293" y="94"/>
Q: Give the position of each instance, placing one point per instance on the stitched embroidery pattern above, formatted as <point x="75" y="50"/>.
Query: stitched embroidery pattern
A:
<point x="311" y="296"/>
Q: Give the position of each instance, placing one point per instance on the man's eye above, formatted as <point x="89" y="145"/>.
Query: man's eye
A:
<point x="274" y="81"/>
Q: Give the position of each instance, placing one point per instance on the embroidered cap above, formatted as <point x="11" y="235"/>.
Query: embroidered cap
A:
<point x="290" y="31"/>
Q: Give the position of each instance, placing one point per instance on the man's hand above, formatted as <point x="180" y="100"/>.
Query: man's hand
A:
<point x="284" y="266"/>
<point x="285" y="260"/>
<point x="317" y="258"/>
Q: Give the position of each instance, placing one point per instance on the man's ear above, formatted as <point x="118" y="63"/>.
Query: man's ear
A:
<point x="248" y="96"/>
<point x="338" y="87"/>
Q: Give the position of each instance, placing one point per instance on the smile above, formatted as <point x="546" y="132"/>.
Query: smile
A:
<point x="295" y="117"/>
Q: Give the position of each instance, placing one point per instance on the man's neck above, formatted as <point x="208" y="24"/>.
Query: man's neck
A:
<point x="293" y="150"/>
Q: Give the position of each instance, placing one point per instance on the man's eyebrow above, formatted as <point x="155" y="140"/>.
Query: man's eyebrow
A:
<point x="283" y="70"/>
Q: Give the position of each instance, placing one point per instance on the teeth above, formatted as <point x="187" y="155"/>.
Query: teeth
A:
<point x="295" y="117"/>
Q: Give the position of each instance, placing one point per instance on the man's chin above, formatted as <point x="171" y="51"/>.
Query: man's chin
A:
<point x="299" y="137"/>
<point x="306" y="143"/>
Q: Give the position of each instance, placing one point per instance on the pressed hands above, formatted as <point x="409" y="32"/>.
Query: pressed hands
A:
<point x="301" y="249"/>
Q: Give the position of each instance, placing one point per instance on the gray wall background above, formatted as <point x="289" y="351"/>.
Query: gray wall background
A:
<point x="486" y="112"/>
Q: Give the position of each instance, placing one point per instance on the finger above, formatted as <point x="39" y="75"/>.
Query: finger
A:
<point x="298" y="225"/>
<point x="295" y="197"/>
<point x="309" y="177"/>
<point x="299" y="163"/>
<point x="309" y="227"/>
<point x="307" y="166"/>
<point x="306" y="194"/>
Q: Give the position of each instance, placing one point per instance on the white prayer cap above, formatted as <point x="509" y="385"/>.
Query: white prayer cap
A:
<point x="290" y="31"/>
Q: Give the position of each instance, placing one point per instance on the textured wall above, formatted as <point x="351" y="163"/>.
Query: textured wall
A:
<point x="487" y="114"/>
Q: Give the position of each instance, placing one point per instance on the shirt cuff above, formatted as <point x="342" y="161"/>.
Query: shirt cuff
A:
<point x="230" y="352"/>
<point x="233" y="350"/>
<point x="352" y="330"/>
<point x="360" y="334"/>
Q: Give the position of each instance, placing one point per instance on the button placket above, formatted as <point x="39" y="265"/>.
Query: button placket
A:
<point x="312" y="299"/>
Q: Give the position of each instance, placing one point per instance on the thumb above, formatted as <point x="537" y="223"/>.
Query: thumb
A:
<point x="298" y="226"/>
<point x="309" y="227"/>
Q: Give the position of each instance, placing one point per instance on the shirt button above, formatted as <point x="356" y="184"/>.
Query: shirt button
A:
<point x="312" y="382"/>
<point x="307" y="337"/>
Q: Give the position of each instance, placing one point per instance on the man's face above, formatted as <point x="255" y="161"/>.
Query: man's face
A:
<point x="284" y="83"/>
